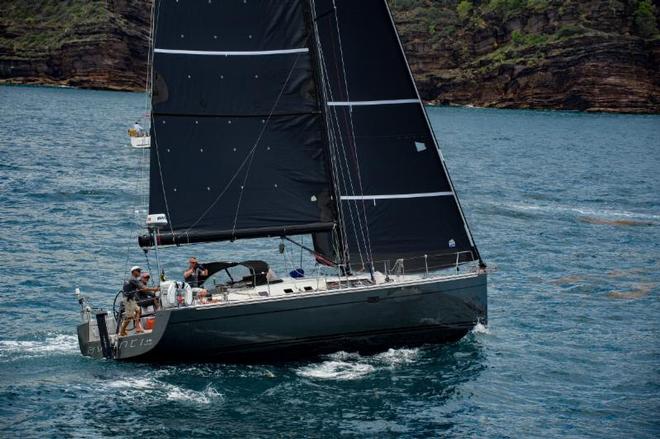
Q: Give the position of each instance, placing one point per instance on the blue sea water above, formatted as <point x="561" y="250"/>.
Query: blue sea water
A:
<point x="565" y="208"/>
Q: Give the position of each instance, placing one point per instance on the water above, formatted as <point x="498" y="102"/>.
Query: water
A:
<point x="565" y="208"/>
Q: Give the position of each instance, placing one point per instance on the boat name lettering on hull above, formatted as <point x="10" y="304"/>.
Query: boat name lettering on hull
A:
<point x="95" y="349"/>
<point x="135" y="343"/>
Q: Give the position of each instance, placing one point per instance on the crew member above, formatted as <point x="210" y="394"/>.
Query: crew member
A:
<point x="138" y="129"/>
<point x="131" y="308"/>
<point x="147" y="295"/>
<point x="194" y="276"/>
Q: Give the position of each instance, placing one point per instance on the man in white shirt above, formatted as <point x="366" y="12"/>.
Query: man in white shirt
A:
<point x="138" y="129"/>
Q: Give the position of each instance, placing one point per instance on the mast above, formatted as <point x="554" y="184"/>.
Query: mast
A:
<point x="324" y="242"/>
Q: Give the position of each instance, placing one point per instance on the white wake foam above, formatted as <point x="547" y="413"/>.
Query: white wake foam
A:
<point x="480" y="328"/>
<point x="205" y="396"/>
<point x="152" y="389"/>
<point x="52" y="345"/>
<point x="397" y="357"/>
<point x="133" y="383"/>
<point x="336" y="370"/>
<point x="352" y="366"/>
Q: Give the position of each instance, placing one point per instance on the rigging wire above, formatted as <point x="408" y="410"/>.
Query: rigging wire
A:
<point x="148" y="95"/>
<point x="248" y="158"/>
<point x="263" y="130"/>
<point x="334" y="124"/>
<point x="336" y="175"/>
<point x="352" y="138"/>
<point x="140" y="187"/>
<point x="339" y="240"/>
<point x="340" y="152"/>
<point x="346" y="187"/>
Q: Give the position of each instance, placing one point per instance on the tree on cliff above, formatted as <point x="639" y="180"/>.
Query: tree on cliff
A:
<point x="645" y="19"/>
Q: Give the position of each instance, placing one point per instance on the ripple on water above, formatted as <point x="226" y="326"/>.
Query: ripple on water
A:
<point x="564" y="205"/>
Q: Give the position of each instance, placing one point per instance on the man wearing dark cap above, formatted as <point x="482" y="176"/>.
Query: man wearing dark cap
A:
<point x="147" y="295"/>
<point x="194" y="276"/>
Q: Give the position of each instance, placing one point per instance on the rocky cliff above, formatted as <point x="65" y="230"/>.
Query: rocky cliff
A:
<point x="80" y="43"/>
<point x="596" y="55"/>
<point x="593" y="55"/>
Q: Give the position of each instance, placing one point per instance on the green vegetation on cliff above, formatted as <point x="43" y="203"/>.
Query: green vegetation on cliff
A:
<point x="85" y="43"/>
<point x="47" y="24"/>
<point x="573" y="54"/>
<point x="518" y="25"/>
<point x="579" y="54"/>
<point x="645" y="19"/>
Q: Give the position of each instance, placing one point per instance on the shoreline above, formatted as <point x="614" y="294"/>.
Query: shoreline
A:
<point x="427" y="102"/>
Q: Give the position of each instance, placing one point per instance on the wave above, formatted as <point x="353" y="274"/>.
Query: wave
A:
<point x="584" y="211"/>
<point x="397" y="357"/>
<point x="584" y="214"/>
<point x="480" y="328"/>
<point x="570" y="279"/>
<point x="52" y="345"/>
<point x="343" y="366"/>
<point x="154" y="389"/>
<point x="205" y="396"/>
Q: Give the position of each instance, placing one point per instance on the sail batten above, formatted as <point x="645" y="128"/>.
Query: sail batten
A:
<point x="396" y="196"/>
<point x="232" y="52"/>
<point x="367" y="103"/>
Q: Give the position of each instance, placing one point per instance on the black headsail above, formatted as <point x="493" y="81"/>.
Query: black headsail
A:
<point x="237" y="129"/>
<point x="397" y="200"/>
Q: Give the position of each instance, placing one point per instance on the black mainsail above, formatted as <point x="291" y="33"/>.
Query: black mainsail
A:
<point x="237" y="129"/>
<point x="276" y="117"/>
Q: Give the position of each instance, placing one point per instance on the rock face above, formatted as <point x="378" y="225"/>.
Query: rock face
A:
<point x="592" y="55"/>
<point x="89" y="44"/>
<point x="588" y="55"/>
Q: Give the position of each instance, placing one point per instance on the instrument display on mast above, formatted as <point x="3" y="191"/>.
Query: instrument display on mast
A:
<point x="156" y="220"/>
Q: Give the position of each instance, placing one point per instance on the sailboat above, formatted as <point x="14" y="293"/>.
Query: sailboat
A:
<point x="285" y="118"/>
<point x="139" y="141"/>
